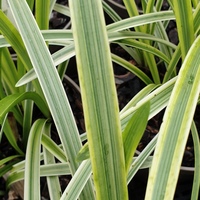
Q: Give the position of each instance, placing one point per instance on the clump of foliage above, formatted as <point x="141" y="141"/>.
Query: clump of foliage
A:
<point x="102" y="168"/>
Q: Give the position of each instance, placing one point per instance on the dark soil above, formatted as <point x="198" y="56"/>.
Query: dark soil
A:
<point x="127" y="86"/>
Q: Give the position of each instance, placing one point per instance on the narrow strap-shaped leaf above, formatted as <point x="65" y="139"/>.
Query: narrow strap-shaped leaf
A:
<point x="172" y="65"/>
<point x="185" y="24"/>
<point x="2" y="126"/>
<point x="140" y="20"/>
<point x="149" y="9"/>
<point x="32" y="166"/>
<point x="53" y="148"/>
<point x="196" y="180"/>
<point x="133" y="132"/>
<point x="52" y="181"/>
<point x="99" y="99"/>
<point x="175" y="128"/>
<point x="112" y="13"/>
<point x="131" y="7"/>
<point x="113" y="36"/>
<point x="62" y="9"/>
<point x="42" y="8"/>
<point x="145" y="47"/>
<point x="135" y="70"/>
<point x="8" y="159"/>
<point x="197" y="19"/>
<point x="28" y="116"/>
<point x="78" y="182"/>
<point x="57" y="169"/>
<point x="83" y="154"/>
<point x="52" y="4"/>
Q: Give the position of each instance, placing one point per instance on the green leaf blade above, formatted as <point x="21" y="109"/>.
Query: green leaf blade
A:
<point x="176" y="126"/>
<point x="134" y="131"/>
<point x="32" y="166"/>
<point x="185" y="24"/>
<point x="99" y="99"/>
